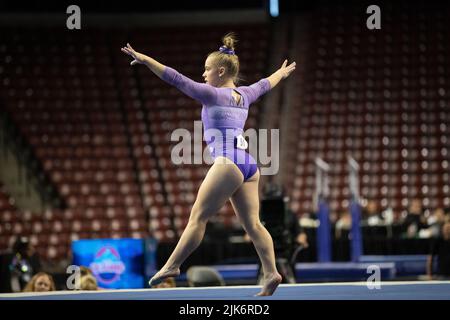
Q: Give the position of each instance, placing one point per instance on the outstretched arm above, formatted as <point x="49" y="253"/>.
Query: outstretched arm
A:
<point x="281" y="73"/>
<point x="266" y="84"/>
<point x="202" y="92"/>
<point x="139" y="58"/>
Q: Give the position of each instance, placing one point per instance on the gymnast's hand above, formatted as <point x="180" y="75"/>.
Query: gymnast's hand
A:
<point x="286" y="70"/>
<point x="139" y="58"/>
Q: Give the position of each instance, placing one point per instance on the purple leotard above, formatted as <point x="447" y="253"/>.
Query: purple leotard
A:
<point x="221" y="114"/>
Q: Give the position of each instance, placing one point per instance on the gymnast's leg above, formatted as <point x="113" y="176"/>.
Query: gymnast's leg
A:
<point x="245" y="202"/>
<point x="221" y="181"/>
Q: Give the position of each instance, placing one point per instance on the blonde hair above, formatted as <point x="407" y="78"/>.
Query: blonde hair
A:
<point x="30" y="287"/>
<point x="229" y="61"/>
<point x="88" y="282"/>
<point x="85" y="271"/>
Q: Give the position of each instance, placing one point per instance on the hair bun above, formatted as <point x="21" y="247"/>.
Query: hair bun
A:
<point x="229" y="40"/>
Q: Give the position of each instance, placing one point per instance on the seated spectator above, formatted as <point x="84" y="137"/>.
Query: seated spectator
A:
<point x="22" y="262"/>
<point x="85" y="271"/>
<point x="447" y="214"/>
<point x="415" y="220"/>
<point x="372" y="215"/>
<point x="87" y="279"/>
<point x="41" y="282"/>
<point x="203" y="276"/>
<point x="435" y="221"/>
<point x="88" y="282"/>
<point x="441" y="250"/>
<point x="343" y="223"/>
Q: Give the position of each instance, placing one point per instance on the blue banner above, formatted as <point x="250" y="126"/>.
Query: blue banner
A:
<point x="115" y="263"/>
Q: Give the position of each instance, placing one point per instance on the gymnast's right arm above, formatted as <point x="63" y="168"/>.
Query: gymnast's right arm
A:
<point x="139" y="58"/>
<point x="204" y="93"/>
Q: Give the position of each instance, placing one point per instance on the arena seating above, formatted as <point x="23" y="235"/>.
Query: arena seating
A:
<point x="378" y="96"/>
<point x="9" y="217"/>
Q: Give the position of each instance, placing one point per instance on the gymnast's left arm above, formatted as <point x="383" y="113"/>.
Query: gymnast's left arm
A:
<point x="264" y="85"/>
<point x="281" y="73"/>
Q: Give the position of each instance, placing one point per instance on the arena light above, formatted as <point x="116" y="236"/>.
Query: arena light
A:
<point x="274" y="9"/>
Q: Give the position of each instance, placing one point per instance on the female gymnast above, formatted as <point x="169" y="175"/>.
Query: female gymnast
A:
<point x="234" y="173"/>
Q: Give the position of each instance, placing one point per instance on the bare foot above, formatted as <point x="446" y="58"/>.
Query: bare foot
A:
<point x="163" y="274"/>
<point x="270" y="285"/>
